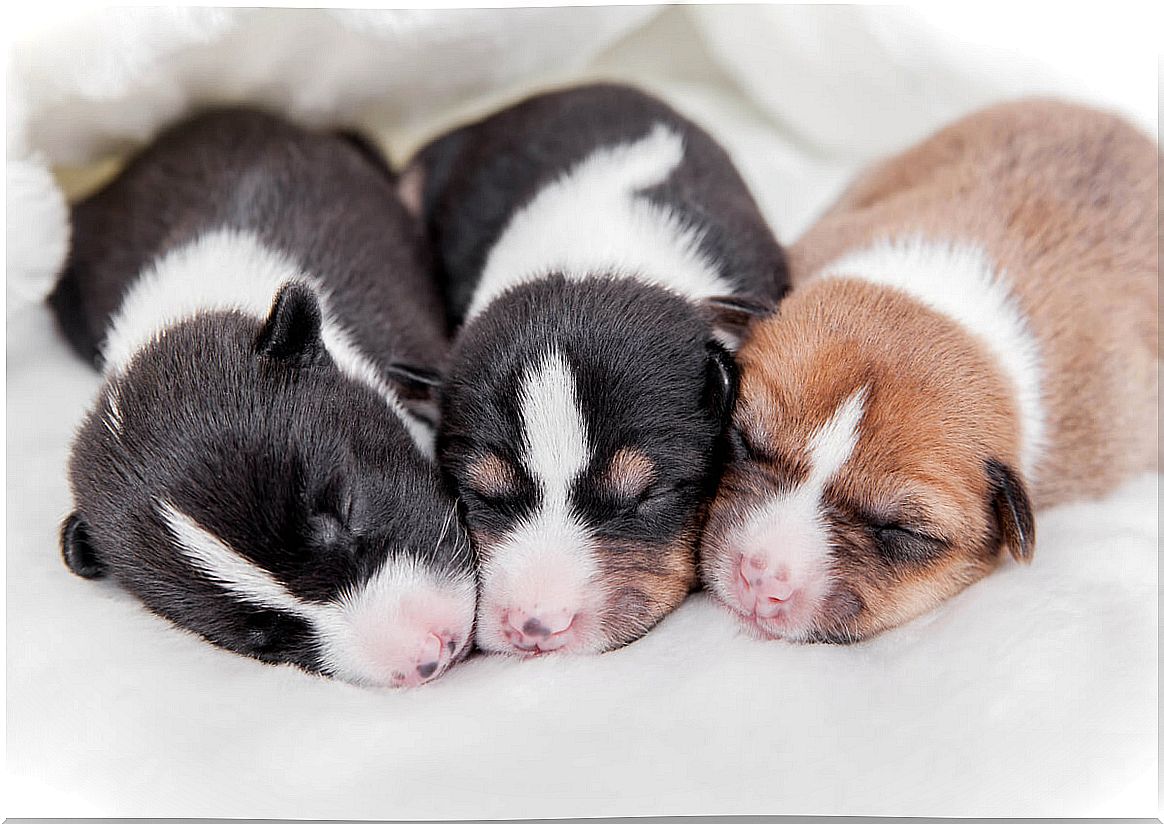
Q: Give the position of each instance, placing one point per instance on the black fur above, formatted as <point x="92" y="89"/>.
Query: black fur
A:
<point x="476" y="177"/>
<point x="314" y="196"/>
<point x="247" y="426"/>
<point x="292" y="333"/>
<point x="77" y="549"/>
<point x="1012" y="510"/>
<point x="665" y="391"/>
<point x="648" y="370"/>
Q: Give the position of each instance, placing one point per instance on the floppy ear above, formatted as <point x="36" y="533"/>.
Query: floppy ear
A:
<point x="730" y="316"/>
<point x="77" y="549"/>
<point x="418" y="388"/>
<point x="291" y="332"/>
<point x="721" y="383"/>
<point x="1012" y="508"/>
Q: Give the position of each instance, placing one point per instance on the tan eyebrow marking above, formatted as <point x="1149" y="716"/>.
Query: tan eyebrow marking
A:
<point x="630" y="472"/>
<point x="492" y="475"/>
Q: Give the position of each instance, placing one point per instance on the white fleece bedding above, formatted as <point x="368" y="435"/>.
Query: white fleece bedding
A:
<point x="1034" y="693"/>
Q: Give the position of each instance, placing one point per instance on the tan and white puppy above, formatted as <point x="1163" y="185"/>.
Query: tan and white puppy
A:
<point x="972" y="335"/>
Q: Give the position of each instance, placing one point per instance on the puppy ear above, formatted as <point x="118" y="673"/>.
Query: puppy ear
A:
<point x="418" y="388"/>
<point x="721" y="383"/>
<point x="730" y="316"/>
<point x="1012" y="509"/>
<point x="292" y="332"/>
<point x="78" y="550"/>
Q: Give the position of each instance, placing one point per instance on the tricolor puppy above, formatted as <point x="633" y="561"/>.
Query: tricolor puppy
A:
<point x="972" y="336"/>
<point x="589" y="241"/>
<point x="257" y="467"/>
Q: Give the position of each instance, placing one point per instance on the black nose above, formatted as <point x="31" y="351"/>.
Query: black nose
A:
<point x="535" y="627"/>
<point x="425" y="670"/>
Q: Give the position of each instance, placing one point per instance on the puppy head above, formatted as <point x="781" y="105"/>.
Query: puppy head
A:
<point x="580" y="427"/>
<point x="871" y="471"/>
<point x="242" y="486"/>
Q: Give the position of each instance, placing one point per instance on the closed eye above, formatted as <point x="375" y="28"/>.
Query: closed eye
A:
<point x="331" y="517"/>
<point x="651" y="492"/>
<point x="906" y="542"/>
<point x="757" y="451"/>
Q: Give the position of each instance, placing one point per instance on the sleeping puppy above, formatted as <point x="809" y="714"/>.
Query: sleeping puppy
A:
<point x="973" y="336"/>
<point x="257" y="467"/>
<point x="598" y="250"/>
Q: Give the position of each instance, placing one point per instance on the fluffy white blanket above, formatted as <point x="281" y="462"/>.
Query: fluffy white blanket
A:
<point x="1033" y="693"/>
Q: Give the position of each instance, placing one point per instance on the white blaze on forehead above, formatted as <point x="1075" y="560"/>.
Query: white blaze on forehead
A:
<point x="366" y="632"/>
<point x="556" y="444"/>
<point x="594" y="221"/>
<point x="231" y="270"/>
<point x="961" y="282"/>
<point x="831" y="445"/>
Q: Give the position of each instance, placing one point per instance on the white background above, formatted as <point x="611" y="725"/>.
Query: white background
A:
<point x="1034" y="693"/>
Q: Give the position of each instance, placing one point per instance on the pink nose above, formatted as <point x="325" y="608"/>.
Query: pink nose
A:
<point x="761" y="588"/>
<point x="544" y="631"/>
<point x="433" y="655"/>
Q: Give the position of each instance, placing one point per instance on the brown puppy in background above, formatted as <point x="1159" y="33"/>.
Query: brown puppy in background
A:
<point x="972" y="335"/>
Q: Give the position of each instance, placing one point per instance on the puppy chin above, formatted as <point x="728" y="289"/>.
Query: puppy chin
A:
<point x="795" y="624"/>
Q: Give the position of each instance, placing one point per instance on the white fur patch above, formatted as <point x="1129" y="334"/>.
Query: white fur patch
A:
<point x="829" y="447"/>
<point x="961" y="282"/>
<point x="228" y="270"/>
<point x="832" y="444"/>
<point x="591" y="222"/>
<point x="366" y="635"/>
<point x="557" y="447"/>
<point x="219" y="562"/>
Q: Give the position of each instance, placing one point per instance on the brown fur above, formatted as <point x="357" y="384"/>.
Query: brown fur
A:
<point x="492" y="476"/>
<point x="1065" y="200"/>
<point x="629" y="473"/>
<point x="640" y="595"/>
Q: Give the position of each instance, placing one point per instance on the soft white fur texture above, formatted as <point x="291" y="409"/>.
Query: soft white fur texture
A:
<point x="1033" y="693"/>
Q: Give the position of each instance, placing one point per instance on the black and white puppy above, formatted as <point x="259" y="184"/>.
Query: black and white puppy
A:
<point x="253" y="468"/>
<point x="596" y="247"/>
